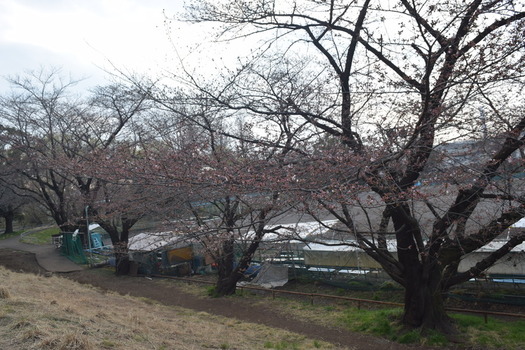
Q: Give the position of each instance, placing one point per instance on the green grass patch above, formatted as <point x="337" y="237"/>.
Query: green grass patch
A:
<point x="385" y="323"/>
<point x="211" y="291"/>
<point x="9" y="235"/>
<point x="40" y="237"/>
<point x="496" y="334"/>
<point x="108" y="344"/>
<point x="377" y="322"/>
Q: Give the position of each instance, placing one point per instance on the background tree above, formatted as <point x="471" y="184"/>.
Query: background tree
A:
<point x="10" y="204"/>
<point x="59" y="138"/>
<point x="11" y="201"/>
<point x="394" y="82"/>
<point x="38" y="123"/>
<point x="230" y="184"/>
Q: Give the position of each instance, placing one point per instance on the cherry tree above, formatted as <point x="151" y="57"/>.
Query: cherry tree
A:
<point x="38" y="123"/>
<point x="60" y="137"/>
<point x="230" y="184"/>
<point x="11" y="198"/>
<point x="10" y="205"/>
<point x="399" y="86"/>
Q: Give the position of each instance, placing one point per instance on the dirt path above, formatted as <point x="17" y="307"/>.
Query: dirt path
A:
<point x="228" y="307"/>
<point x="47" y="256"/>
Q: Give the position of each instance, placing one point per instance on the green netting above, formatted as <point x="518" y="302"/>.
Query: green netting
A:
<point x="72" y="248"/>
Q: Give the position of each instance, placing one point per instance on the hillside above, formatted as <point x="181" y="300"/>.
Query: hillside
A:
<point x="57" y="313"/>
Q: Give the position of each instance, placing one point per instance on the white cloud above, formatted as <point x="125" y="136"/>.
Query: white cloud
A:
<point x="83" y="34"/>
<point x="84" y="37"/>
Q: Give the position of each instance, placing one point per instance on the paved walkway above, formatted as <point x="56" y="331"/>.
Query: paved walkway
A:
<point x="48" y="257"/>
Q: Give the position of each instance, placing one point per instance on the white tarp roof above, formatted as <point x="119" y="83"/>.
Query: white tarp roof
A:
<point x="91" y="227"/>
<point x="495" y="245"/>
<point x="296" y="230"/>
<point x="271" y="276"/>
<point x="341" y="246"/>
<point x="151" y="241"/>
<point x="520" y="223"/>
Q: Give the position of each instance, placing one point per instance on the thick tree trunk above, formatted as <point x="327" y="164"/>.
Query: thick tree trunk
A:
<point x="9" y="218"/>
<point x="422" y="275"/>
<point x="227" y="285"/>
<point x="228" y="275"/>
<point x="424" y="308"/>
<point x="122" y="263"/>
<point x="414" y="299"/>
<point x="120" y="245"/>
<point x="227" y="280"/>
<point x="424" y="298"/>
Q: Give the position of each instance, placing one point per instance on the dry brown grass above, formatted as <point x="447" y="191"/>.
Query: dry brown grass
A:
<point x="39" y="312"/>
<point x="4" y="293"/>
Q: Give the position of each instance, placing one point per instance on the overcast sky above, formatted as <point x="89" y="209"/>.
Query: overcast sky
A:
<point x="82" y="35"/>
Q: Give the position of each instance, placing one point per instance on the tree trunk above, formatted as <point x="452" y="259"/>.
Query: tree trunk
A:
<point x="424" y="300"/>
<point x="122" y="263"/>
<point x="120" y="245"/>
<point x="226" y="281"/>
<point x="424" y="307"/>
<point x="9" y="217"/>
<point x="120" y="248"/>
<point x="422" y="276"/>
<point x="227" y="285"/>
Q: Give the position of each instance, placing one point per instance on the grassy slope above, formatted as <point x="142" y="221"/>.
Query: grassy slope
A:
<point x="41" y="236"/>
<point x="56" y="313"/>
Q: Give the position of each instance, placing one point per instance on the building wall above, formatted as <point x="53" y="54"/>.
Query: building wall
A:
<point x="512" y="264"/>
